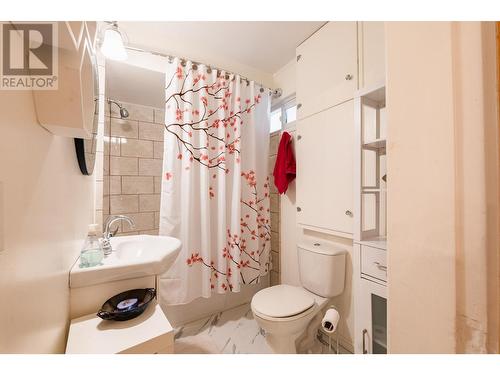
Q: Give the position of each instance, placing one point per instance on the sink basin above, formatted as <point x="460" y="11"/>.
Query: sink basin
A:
<point x="132" y="256"/>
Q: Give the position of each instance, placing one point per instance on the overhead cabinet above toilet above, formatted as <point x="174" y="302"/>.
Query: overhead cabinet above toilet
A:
<point x="332" y="65"/>
<point x="327" y="70"/>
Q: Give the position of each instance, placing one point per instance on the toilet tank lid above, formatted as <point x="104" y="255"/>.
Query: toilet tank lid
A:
<point x="322" y="247"/>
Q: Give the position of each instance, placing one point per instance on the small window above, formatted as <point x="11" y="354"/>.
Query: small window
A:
<point x="275" y="120"/>
<point x="291" y="114"/>
<point x="283" y="114"/>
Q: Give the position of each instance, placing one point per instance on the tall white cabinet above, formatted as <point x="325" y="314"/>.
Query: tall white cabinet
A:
<point x="370" y="234"/>
<point x="334" y="65"/>
<point x="327" y="77"/>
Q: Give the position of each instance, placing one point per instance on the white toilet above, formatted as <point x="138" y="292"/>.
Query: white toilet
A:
<point x="284" y="311"/>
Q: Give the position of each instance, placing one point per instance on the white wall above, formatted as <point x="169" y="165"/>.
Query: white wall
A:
<point x="442" y="170"/>
<point x="47" y="204"/>
<point x="141" y="77"/>
<point x="285" y="78"/>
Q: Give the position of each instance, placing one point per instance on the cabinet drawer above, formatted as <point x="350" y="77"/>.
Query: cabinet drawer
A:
<point x="374" y="262"/>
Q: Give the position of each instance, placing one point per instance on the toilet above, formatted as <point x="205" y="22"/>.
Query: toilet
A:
<point x="284" y="312"/>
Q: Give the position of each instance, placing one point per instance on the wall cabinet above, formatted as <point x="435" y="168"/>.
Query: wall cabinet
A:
<point x="324" y="147"/>
<point x="371" y="50"/>
<point x="327" y="70"/>
<point x="69" y="110"/>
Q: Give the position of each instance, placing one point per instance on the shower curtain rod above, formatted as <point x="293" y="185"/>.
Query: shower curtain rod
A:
<point x="274" y="92"/>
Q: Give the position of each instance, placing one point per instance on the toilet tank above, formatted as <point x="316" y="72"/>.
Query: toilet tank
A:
<point x="322" y="267"/>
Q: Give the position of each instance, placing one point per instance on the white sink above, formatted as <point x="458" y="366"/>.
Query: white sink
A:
<point x="132" y="256"/>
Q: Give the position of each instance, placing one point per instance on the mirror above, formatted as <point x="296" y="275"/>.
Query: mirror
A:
<point x="86" y="148"/>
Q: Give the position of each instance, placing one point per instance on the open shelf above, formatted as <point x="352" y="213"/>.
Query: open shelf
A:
<point x="372" y="190"/>
<point x="375" y="93"/>
<point x="376" y="144"/>
<point x="377" y="242"/>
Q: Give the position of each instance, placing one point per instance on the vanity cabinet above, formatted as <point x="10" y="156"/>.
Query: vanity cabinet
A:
<point x="327" y="70"/>
<point x="324" y="149"/>
<point x="149" y="333"/>
<point x="371" y="322"/>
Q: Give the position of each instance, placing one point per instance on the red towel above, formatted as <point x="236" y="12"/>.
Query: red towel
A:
<point x="284" y="169"/>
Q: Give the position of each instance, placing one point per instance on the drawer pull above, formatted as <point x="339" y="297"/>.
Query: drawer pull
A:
<point x="348" y="213"/>
<point x="381" y="267"/>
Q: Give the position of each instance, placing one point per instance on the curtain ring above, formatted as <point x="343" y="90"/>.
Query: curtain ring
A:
<point x="183" y="62"/>
<point x="261" y="89"/>
<point x="194" y="67"/>
<point x="170" y="59"/>
<point x="209" y="69"/>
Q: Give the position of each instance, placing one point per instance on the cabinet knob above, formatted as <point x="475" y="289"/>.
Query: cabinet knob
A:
<point x="299" y="57"/>
<point x="299" y="209"/>
<point x="299" y="105"/>
<point x="299" y="137"/>
<point x="348" y="77"/>
<point x="348" y="213"/>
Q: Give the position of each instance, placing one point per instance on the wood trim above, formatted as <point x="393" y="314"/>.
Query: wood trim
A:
<point x="498" y="134"/>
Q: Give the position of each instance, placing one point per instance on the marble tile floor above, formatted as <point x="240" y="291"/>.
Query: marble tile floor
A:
<point x="229" y="332"/>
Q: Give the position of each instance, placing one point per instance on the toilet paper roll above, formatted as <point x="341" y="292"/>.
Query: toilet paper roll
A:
<point x="330" y="320"/>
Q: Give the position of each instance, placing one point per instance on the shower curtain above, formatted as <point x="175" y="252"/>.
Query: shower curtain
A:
<point x="215" y="185"/>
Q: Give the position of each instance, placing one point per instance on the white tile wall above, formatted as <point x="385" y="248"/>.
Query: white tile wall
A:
<point x="132" y="166"/>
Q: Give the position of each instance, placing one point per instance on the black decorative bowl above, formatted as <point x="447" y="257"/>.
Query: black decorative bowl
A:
<point x="127" y="305"/>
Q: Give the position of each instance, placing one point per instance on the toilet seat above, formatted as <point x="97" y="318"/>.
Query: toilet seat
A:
<point x="282" y="302"/>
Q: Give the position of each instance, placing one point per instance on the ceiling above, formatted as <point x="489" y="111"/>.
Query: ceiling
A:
<point x="264" y="46"/>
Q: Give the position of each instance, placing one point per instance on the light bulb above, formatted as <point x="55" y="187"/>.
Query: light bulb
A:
<point x="113" y="47"/>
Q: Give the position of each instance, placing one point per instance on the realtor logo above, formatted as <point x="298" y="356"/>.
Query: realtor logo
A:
<point x="29" y="56"/>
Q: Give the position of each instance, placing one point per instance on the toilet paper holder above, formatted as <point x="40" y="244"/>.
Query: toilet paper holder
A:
<point x="329" y="325"/>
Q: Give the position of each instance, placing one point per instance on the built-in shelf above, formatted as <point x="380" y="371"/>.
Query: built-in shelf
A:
<point x="376" y="144"/>
<point x="372" y="190"/>
<point x="377" y="242"/>
<point x="375" y="93"/>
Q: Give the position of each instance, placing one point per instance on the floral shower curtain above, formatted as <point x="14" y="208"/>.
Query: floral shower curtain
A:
<point x="215" y="186"/>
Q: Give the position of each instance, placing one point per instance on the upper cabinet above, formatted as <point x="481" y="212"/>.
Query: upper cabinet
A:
<point x="327" y="68"/>
<point x="324" y="147"/>
<point x="69" y="110"/>
<point x="371" y="49"/>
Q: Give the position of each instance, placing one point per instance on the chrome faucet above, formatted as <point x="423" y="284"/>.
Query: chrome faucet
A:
<point x="106" y="244"/>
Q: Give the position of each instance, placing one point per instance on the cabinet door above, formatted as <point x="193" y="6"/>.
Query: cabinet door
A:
<point x="371" y="318"/>
<point x="371" y="53"/>
<point x="325" y="169"/>
<point x="327" y="68"/>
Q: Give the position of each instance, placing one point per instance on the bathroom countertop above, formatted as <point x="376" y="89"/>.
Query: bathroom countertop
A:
<point x="150" y="333"/>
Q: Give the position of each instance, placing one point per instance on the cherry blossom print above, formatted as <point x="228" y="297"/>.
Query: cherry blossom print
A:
<point x="211" y="133"/>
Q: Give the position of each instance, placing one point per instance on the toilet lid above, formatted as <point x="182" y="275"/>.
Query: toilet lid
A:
<point x="282" y="301"/>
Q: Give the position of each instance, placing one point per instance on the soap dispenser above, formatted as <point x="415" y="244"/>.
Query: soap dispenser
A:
<point x="92" y="253"/>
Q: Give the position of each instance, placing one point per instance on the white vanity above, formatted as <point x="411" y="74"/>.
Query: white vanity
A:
<point x="135" y="263"/>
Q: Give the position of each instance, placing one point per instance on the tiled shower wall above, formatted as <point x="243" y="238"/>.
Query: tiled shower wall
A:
<point x="275" y="212"/>
<point x="133" y="154"/>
